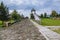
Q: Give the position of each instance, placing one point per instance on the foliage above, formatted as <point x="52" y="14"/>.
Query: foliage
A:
<point x="4" y="13"/>
<point x="41" y="16"/>
<point x="15" y="15"/>
<point x="54" y="13"/>
<point x="45" y="15"/>
<point x="58" y="15"/>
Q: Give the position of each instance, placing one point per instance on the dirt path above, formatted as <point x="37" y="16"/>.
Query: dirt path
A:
<point x="48" y="34"/>
<point x="24" y="30"/>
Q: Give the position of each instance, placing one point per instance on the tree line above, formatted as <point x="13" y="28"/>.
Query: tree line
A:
<point x="52" y="15"/>
<point x="45" y="15"/>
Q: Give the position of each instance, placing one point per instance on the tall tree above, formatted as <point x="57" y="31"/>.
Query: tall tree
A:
<point x="4" y="13"/>
<point x="45" y="15"/>
<point x="15" y="15"/>
<point x="58" y="15"/>
<point x="41" y="16"/>
<point x="54" y="13"/>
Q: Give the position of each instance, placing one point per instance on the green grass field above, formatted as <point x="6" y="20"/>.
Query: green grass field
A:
<point x="58" y="31"/>
<point x="50" y="22"/>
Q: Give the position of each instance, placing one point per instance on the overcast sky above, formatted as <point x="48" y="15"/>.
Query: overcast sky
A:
<point x="41" y="6"/>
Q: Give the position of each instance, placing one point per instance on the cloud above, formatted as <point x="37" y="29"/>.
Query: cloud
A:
<point x="41" y="6"/>
<point x="25" y="2"/>
<point x="56" y="0"/>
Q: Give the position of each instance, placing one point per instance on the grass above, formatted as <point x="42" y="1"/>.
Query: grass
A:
<point x="58" y="31"/>
<point x="50" y="22"/>
<point x="0" y="23"/>
<point x="11" y="21"/>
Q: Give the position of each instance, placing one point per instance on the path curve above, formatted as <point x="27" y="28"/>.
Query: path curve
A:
<point x="47" y="33"/>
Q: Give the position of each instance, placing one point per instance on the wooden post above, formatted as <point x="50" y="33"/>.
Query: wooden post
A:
<point x="6" y="24"/>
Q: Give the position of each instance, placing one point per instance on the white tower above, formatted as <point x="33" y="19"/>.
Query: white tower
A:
<point x="35" y="15"/>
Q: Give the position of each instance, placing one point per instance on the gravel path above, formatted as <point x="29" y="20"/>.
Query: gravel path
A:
<point x="24" y="30"/>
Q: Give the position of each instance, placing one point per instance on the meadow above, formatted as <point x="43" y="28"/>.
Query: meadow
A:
<point x="50" y="22"/>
